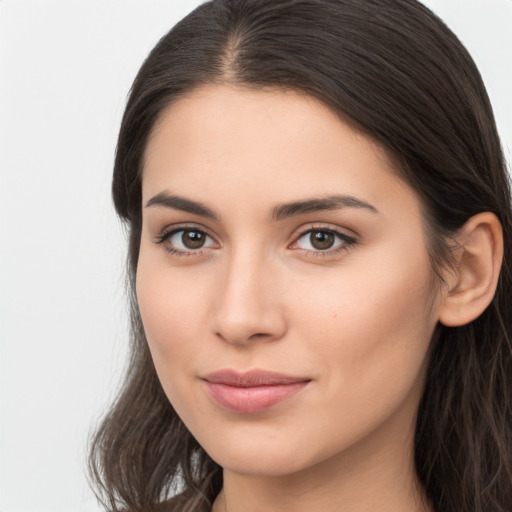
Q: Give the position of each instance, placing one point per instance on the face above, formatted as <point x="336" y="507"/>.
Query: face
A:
<point x="283" y="281"/>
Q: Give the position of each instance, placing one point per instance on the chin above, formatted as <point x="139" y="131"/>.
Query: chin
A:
<point x="258" y="465"/>
<point x="265" y="453"/>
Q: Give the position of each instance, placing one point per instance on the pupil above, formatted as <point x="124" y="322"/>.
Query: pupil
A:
<point x="322" y="240"/>
<point x="192" y="239"/>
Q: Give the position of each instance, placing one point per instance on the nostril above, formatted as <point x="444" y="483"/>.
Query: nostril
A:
<point x="258" y="336"/>
<point x="240" y="338"/>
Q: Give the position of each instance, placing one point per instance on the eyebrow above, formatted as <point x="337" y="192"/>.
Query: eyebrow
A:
<point x="183" y="204"/>
<point x="336" y="202"/>
<point x="280" y="212"/>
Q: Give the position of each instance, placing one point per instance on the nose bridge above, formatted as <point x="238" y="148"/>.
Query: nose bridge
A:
<point x="248" y="304"/>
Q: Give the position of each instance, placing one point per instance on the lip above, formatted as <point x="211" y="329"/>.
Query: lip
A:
<point x="252" y="391"/>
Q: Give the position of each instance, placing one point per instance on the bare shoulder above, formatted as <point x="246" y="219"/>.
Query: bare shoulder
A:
<point x="177" y="504"/>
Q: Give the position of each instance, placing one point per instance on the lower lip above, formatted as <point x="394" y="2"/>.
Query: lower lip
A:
<point x="251" y="399"/>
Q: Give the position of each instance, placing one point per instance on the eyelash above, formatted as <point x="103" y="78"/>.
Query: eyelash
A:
<point x="347" y="241"/>
<point x="165" y="236"/>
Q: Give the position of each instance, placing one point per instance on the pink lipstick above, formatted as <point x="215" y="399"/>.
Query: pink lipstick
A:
<point x="253" y="391"/>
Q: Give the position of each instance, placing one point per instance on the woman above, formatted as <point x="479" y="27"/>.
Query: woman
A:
<point x="319" y="261"/>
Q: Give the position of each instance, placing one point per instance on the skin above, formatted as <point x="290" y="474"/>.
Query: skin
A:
<point x="356" y="320"/>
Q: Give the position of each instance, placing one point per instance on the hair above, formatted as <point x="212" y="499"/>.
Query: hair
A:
<point x="394" y="70"/>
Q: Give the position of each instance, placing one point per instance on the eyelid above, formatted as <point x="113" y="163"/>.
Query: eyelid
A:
<point x="319" y="226"/>
<point x="173" y="228"/>
<point x="348" y="239"/>
<point x="169" y="231"/>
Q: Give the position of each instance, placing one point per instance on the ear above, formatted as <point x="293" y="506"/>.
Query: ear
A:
<point x="472" y="284"/>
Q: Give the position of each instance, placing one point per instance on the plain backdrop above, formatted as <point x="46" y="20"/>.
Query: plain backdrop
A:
<point x="65" y="69"/>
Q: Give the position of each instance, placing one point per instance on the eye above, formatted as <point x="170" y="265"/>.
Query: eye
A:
<point x="189" y="240"/>
<point x="322" y="240"/>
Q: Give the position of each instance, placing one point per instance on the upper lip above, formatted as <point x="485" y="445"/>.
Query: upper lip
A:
<point x="251" y="378"/>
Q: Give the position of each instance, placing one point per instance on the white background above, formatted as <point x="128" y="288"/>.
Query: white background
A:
<point x="65" y="70"/>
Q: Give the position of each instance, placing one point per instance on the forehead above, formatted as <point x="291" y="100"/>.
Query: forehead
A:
<point x="276" y="145"/>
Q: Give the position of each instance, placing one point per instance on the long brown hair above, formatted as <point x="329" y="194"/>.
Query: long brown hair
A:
<point x="401" y="76"/>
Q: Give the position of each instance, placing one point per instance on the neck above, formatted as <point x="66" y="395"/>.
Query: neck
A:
<point x="301" y="494"/>
<point x="359" y="488"/>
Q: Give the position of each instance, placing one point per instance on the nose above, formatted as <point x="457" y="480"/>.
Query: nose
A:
<point x="248" y="305"/>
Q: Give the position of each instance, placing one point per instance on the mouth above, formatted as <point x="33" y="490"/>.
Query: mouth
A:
<point x="253" y="391"/>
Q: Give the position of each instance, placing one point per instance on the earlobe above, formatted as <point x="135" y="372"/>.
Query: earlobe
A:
<point x="473" y="281"/>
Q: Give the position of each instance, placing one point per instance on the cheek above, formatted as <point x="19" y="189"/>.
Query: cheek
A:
<point x="369" y="330"/>
<point x="169" y="304"/>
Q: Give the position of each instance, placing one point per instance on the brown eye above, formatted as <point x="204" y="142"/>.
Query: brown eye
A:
<point x="321" y="240"/>
<point x="186" y="241"/>
<point x="193" y="239"/>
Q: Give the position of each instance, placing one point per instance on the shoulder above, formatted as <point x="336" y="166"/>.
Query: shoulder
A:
<point x="178" y="502"/>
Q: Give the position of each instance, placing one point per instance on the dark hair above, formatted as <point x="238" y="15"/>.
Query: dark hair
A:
<point x="393" y="70"/>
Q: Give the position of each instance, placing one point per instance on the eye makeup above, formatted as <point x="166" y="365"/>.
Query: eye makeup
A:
<point x="193" y="241"/>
